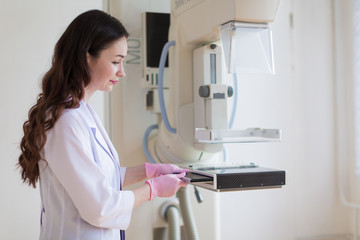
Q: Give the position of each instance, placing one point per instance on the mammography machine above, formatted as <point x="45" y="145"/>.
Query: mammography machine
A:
<point x="195" y="124"/>
<point x="209" y="41"/>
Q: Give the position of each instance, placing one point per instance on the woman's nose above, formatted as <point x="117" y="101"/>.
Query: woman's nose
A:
<point x="121" y="71"/>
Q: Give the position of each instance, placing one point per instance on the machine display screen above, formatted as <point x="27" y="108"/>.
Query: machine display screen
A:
<point x="157" y="30"/>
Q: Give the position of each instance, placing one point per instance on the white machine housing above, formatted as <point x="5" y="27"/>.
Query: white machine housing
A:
<point x="193" y="24"/>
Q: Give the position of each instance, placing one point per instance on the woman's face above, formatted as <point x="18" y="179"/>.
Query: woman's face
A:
<point x="107" y="69"/>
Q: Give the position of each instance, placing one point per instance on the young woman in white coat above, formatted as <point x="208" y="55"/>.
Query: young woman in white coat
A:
<point x="67" y="150"/>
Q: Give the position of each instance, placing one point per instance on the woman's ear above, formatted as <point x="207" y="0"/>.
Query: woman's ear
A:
<point x="88" y="58"/>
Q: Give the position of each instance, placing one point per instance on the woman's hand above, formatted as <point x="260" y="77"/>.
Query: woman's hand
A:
<point x="166" y="185"/>
<point x="156" y="169"/>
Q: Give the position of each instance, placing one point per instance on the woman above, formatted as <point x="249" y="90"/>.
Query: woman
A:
<point x="66" y="148"/>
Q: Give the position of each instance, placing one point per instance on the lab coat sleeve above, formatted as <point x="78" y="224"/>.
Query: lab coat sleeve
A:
<point x="122" y="174"/>
<point x="69" y="154"/>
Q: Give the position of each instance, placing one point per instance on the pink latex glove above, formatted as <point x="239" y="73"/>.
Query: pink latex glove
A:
<point x="166" y="185"/>
<point x="157" y="169"/>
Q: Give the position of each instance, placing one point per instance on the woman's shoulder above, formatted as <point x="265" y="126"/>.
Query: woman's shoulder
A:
<point x="69" y="128"/>
<point x="70" y="114"/>
<point x="74" y="119"/>
<point x="70" y="118"/>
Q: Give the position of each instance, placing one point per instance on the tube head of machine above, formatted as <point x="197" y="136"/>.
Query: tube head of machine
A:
<point x="247" y="48"/>
<point x="247" y="40"/>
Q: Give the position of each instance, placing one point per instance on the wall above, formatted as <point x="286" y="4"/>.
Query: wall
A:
<point x="320" y="211"/>
<point x="29" y="31"/>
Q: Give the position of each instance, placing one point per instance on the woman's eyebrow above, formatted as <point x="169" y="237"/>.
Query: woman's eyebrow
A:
<point x="119" y="55"/>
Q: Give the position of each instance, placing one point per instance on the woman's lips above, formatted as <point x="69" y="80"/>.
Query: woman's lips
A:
<point x="114" y="81"/>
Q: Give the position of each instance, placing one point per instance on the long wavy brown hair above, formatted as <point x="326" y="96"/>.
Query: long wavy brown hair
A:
<point x="63" y="85"/>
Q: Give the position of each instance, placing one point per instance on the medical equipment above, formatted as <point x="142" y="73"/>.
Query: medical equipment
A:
<point x="207" y="40"/>
<point x="203" y="35"/>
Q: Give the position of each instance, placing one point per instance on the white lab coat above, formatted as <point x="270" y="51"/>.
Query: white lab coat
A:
<point x="80" y="185"/>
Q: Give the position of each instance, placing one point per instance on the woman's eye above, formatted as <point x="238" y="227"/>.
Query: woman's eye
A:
<point x="116" y="63"/>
